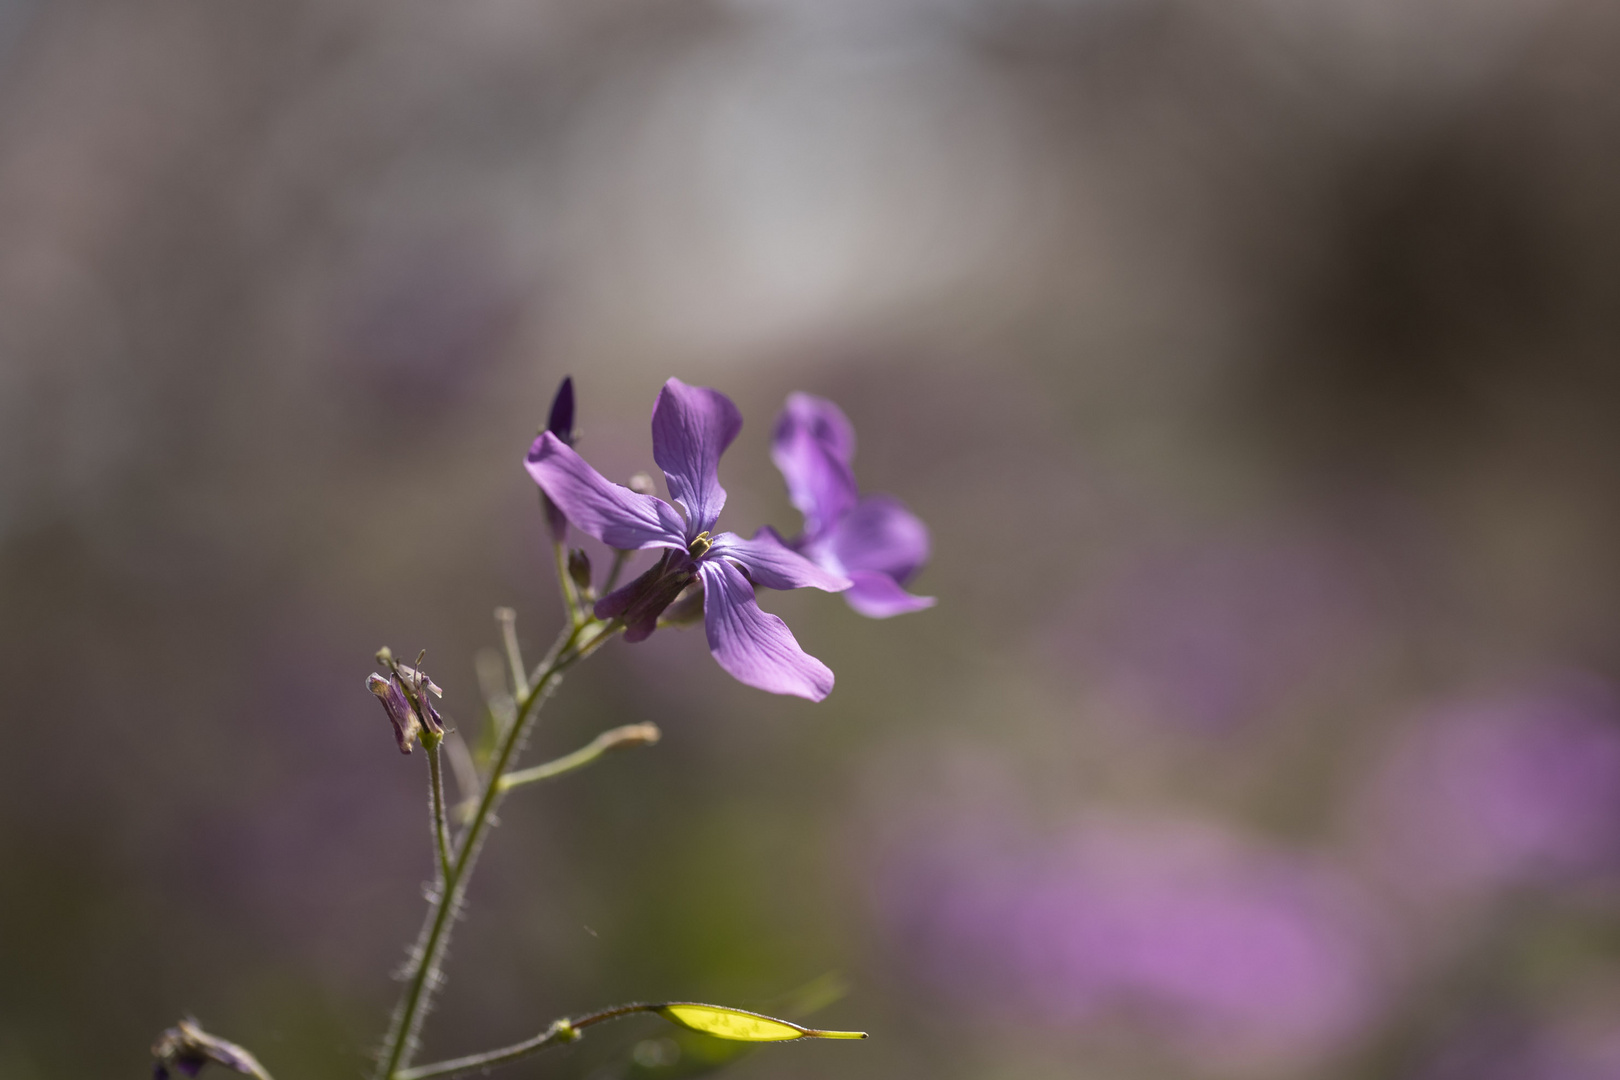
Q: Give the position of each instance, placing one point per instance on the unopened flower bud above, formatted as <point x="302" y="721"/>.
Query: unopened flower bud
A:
<point x="561" y="420"/>
<point x="579" y="569"/>
<point x="642" y="484"/>
<point x="561" y="424"/>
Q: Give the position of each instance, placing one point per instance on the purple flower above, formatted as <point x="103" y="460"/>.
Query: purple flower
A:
<point x="691" y="428"/>
<point x="876" y="541"/>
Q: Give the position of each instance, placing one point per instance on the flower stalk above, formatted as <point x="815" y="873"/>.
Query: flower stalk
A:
<point x="441" y="827"/>
<point x="428" y="956"/>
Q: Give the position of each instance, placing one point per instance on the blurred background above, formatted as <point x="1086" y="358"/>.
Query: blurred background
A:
<point x="1255" y="366"/>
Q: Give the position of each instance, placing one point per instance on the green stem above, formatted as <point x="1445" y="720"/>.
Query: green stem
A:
<point x="560" y="1031"/>
<point x="435" y="937"/>
<point x="441" y="830"/>
<point x="619" y="559"/>
<point x="514" y="655"/>
<point x="618" y="738"/>
<point x="565" y="582"/>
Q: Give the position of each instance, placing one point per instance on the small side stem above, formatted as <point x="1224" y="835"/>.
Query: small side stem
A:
<point x="560" y="1031"/>
<point x="619" y="738"/>
<point x="514" y="655"/>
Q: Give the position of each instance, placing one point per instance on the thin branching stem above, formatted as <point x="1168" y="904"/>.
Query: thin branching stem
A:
<point x="423" y="978"/>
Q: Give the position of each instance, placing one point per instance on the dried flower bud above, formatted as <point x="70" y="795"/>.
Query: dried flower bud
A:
<point x="188" y="1048"/>
<point x="642" y="484"/>
<point x="398" y="707"/>
<point x="407" y="696"/>
<point x="579" y="570"/>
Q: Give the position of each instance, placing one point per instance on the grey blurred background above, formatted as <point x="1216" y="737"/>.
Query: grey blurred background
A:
<point x="1255" y="366"/>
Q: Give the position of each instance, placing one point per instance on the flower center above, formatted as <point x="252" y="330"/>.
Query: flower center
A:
<point x="700" y="545"/>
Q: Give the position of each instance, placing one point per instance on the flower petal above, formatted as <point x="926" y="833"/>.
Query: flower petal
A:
<point x="773" y="564"/>
<point x="613" y="514"/>
<point x="812" y="446"/>
<point x="878" y="596"/>
<point x="880" y="534"/>
<point x="691" y="428"/>
<point x="754" y="646"/>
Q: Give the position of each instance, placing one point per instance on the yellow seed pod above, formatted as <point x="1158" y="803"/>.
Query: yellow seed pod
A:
<point x="742" y="1026"/>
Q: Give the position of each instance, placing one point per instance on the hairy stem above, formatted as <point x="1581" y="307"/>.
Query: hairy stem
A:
<point x="423" y="979"/>
<point x="441" y="829"/>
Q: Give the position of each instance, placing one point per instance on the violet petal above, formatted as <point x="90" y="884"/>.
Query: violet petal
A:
<point x="878" y="596"/>
<point x="691" y="428"/>
<point x="613" y="514"/>
<point x="754" y="646"/>
<point x="773" y="564"/>
<point x="812" y="445"/>
<point x="880" y="534"/>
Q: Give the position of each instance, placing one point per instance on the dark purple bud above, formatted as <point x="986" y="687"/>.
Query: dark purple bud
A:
<point x="640" y="603"/>
<point x="579" y="571"/>
<point x="398" y="707"/>
<point x="561" y="422"/>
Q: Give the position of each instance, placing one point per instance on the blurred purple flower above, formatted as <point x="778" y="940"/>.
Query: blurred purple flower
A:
<point x="1500" y="792"/>
<point x="1218" y="635"/>
<point x="1227" y="950"/>
<point x="876" y="541"/>
<point x="1506" y="1048"/>
<point x="691" y="428"/>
